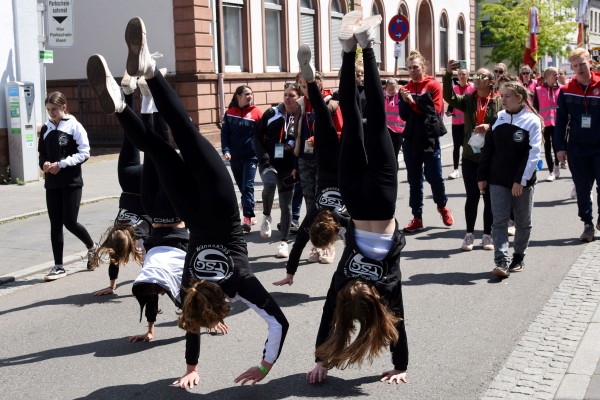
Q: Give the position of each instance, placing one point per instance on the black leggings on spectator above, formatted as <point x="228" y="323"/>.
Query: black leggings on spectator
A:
<point x="458" y="136"/>
<point x="368" y="177"/>
<point x="469" y="173"/>
<point x="549" y="148"/>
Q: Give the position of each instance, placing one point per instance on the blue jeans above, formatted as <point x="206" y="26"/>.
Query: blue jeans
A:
<point x="244" y="172"/>
<point x="522" y="206"/>
<point x="429" y="166"/>
<point x="584" y="163"/>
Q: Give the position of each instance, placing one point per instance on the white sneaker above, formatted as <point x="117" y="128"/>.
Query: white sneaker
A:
<point x="556" y="171"/>
<point x="454" y="175"/>
<point x="139" y="59"/>
<point x="563" y="165"/>
<point x="143" y="85"/>
<point x="128" y="83"/>
<point x="282" y="251"/>
<point x="366" y="33"/>
<point x="551" y="177"/>
<point x="315" y="255"/>
<point x="573" y="192"/>
<point x="328" y="255"/>
<point x="468" y="242"/>
<point x="265" y="228"/>
<point x="349" y="23"/>
<point x="304" y="55"/>
<point x="487" y="243"/>
<point x="104" y="85"/>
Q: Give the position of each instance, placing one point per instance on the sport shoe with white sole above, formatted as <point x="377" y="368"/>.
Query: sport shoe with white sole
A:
<point x="467" y="244"/>
<point x="104" y="85"/>
<point x="487" y="243"/>
<point x="139" y="59"/>
<point x="501" y="270"/>
<point x="556" y="171"/>
<point x="366" y="33"/>
<point x="265" y="228"/>
<point x="91" y="255"/>
<point x="57" y="272"/>
<point x="315" y="255"/>
<point x="454" y="174"/>
<point x="551" y="177"/>
<point x="349" y="23"/>
<point x="588" y="233"/>
<point x="143" y="85"/>
<point x="282" y="251"/>
<point x="304" y="56"/>
<point x="128" y="83"/>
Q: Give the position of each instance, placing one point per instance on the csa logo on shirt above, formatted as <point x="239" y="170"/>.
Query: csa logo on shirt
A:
<point x="63" y="139"/>
<point x="212" y="263"/>
<point x="127" y="217"/>
<point x="359" y="266"/>
<point x="518" y="136"/>
<point x="596" y="92"/>
<point x="332" y="199"/>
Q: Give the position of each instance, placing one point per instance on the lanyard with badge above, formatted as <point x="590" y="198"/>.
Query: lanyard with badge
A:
<point x="287" y="121"/>
<point x="586" y="119"/>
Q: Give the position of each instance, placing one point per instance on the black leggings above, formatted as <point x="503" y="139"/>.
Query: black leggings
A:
<point x="327" y="143"/>
<point x="469" y="173"/>
<point x="63" y="209"/>
<point x="198" y="186"/>
<point x="129" y="166"/>
<point x="368" y="177"/>
<point x="458" y="136"/>
<point x="549" y="148"/>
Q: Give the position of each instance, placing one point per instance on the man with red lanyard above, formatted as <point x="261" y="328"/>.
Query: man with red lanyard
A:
<point x="578" y="107"/>
<point x="480" y="109"/>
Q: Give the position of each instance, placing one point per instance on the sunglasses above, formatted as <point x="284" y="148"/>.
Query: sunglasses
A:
<point x="292" y="85"/>
<point x="498" y="71"/>
<point x="479" y="76"/>
<point x="525" y="73"/>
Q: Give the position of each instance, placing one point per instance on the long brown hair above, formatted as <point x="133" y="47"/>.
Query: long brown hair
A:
<point x="119" y="245"/>
<point x="358" y="302"/>
<point x="57" y="99"/>
<point x="324" y="230"/>
<point x="519" y="89"/>
<point x="205" y="305"/>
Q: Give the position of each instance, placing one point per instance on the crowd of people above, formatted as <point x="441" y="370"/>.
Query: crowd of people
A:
<point x="339" y="152"/>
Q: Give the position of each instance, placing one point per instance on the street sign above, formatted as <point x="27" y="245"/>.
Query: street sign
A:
<point x="47" y="56"/>
<point x="398" y="28"/>
<point x="60" y="23"/>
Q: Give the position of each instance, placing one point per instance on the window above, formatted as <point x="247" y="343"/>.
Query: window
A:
<point x="336" y="22"/>
<point x="273" y="11"/>
<point x="443" y="40"/>
<point x="460" y="38"/>
<point x="307" y="26"/>
<point x="404" y="46"/>
<point x="377" y="48"/>
<point x="232" y="26"/>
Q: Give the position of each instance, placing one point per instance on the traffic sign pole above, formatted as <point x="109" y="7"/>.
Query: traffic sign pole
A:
<point x="398" y="29"/>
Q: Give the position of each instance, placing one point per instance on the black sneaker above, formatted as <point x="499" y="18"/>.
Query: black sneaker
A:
<point x="57" y="272"/>
<point x="90" y="257"/>
<point x="501" y="269"/>
<point x="588" y="233"/>
<point x="294" y="227"/>
<point x="517" y="264"/>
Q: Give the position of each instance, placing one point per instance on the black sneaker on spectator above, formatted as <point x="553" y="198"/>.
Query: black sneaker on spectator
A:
<point x="588" y="233"/>
<point x="517" y="264"/>
<point x="57" y="272"/>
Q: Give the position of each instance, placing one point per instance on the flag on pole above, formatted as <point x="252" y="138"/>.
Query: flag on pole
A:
<point x="582" y="20"/>
<point x="531" y="47"/>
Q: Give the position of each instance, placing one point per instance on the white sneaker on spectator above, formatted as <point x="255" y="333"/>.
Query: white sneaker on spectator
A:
<point x="556" y="171"/>
<point x="573" y="192"/>
<point x="551" y="177"/>
<point x="282" y="251"/>
<point x="265" y="228"/>
<point x="454" y="174"/>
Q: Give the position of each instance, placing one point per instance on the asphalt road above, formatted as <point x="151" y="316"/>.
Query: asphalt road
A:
<point x="61" y="342"/>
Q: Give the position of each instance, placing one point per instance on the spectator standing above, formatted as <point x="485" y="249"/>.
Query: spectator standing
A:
<point x="458" y="120"/>
<point x="545" y="100"/>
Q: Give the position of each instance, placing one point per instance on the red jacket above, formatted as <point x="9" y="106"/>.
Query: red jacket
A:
<point x="428" y="84"/>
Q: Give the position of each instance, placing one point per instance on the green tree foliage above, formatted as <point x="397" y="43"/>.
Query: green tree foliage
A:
<point x="507" y="23"/>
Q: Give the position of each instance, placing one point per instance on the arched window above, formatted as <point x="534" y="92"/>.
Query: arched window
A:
<point x="378" y="48"/>
<point x="424" y="29"/>
<point x="233" y="24"/>
<point x="336" y="22"/>
<point x="273" y="12"/>
<point x="308" y="22"/>
<point x="405" y="45"/>
<point x="443" y="40"/>
<point x="460" y="38"/>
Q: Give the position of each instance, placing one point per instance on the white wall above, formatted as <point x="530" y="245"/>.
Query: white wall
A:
<point x="99" y="27"/>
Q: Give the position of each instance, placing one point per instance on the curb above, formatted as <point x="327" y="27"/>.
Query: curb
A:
<point x="4" y="279"/>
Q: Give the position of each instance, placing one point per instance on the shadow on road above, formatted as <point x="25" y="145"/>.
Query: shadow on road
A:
<point x="276" y="389"/>
<point x="115" y="347"/>
<point x="448" y="278"/>
<point x="80" y="299"/>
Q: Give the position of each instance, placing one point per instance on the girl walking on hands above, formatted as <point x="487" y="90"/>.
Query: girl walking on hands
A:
<point x="216" y="269"/>
<point x="366" y="287"/>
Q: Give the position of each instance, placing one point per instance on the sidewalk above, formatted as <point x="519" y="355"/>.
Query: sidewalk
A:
<point x="24" y="227"/>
